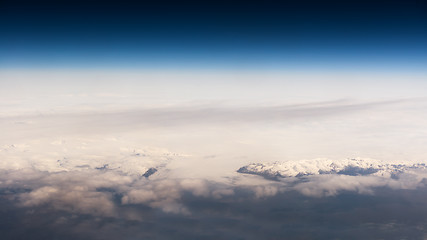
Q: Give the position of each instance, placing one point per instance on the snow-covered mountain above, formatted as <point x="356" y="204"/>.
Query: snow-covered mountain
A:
<point x="85" y="155"/>
<point x="352" y="167"/>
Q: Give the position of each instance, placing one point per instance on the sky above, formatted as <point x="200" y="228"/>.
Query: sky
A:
<point x="215" y="35"/>
<point x="213" y="119"/>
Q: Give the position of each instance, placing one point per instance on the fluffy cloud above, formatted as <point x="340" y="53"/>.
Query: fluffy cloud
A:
<point x="102" y="190"/>
<point x="110" y="194"/>
<point x="95" y="176"/>
<point x="331" y="185"/>
<point x="77" y="199"/>
<point x="74" y="175"/>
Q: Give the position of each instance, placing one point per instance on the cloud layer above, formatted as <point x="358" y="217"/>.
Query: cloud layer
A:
<point x="72" y="175"/>
<point x="187" y="172"/>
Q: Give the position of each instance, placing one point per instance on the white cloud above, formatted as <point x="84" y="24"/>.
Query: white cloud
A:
<point x="91" y="158"/>
<point x="333" y="184"/>
<point x="77" y="199"/>
<point x="95" y="191"/>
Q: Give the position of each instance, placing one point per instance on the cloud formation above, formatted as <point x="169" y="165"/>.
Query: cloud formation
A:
<point x="100" y="186"/>
<point x="100" y="171"/>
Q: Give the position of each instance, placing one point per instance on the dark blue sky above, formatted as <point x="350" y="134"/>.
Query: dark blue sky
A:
<point x="214" y="34"/>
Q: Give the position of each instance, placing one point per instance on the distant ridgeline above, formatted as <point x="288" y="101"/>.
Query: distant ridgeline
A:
<point x="351" y="167"/>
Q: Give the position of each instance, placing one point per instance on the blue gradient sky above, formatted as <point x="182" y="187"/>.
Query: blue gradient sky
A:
<point x="308" y="35"/>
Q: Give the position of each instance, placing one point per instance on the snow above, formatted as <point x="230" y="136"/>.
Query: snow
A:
<point x="353" y="167"/>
